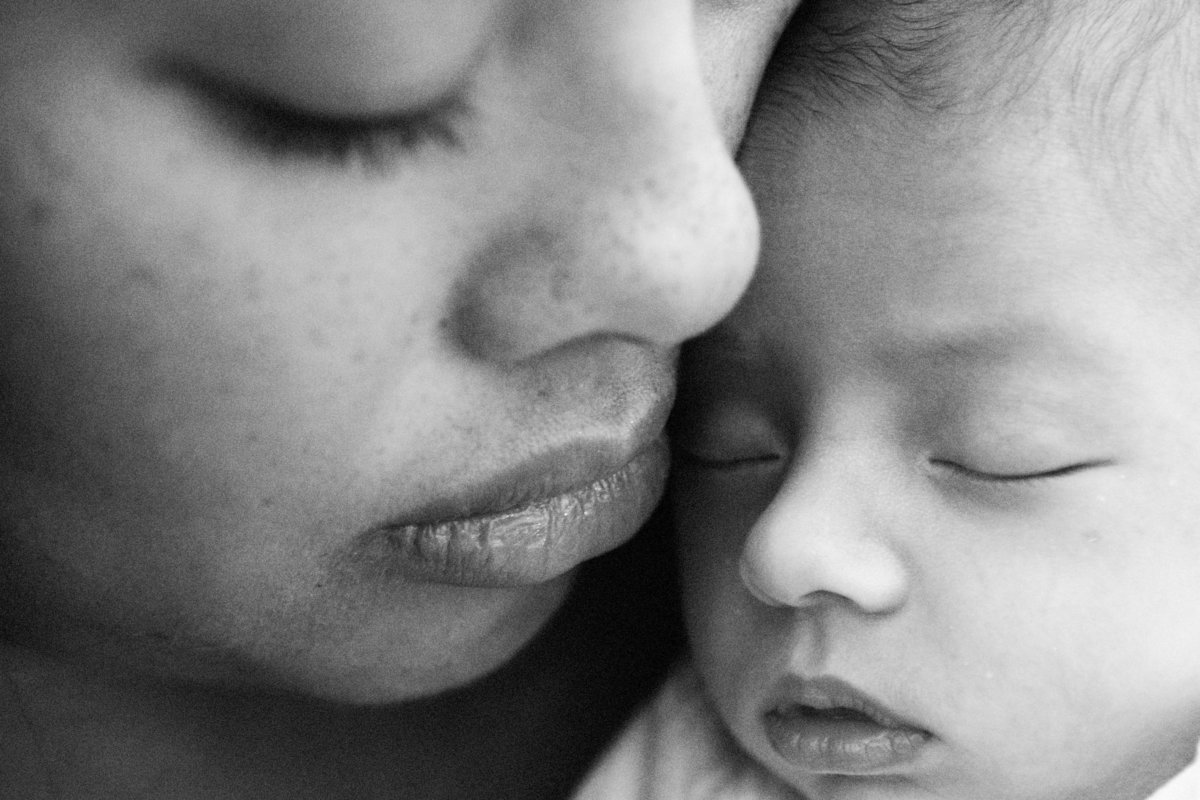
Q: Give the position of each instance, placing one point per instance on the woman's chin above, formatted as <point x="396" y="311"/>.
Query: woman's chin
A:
<point x="376" y="666"/>
<point x="342" y="649"/>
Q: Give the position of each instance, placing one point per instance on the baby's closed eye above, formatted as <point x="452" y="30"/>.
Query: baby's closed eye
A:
<point x="727" y="437"/>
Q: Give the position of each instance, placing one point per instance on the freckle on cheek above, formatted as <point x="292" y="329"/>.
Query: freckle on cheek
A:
<point x="143" y="277"/>
<point x="56" y="165"/>
<point x="39" y="214"/>
<point x="252" y="281"/>
<point x="317" y="337"/>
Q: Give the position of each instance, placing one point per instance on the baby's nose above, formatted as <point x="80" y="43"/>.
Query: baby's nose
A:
<point x="816" y="544"/>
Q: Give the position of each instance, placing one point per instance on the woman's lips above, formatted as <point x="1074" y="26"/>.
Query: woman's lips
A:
<point x="825" y="726"/>
<point x="537" y="539"/>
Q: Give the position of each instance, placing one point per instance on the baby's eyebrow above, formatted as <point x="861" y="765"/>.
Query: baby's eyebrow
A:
<point x="842" y="51"/>
<point x="954" y="349"/>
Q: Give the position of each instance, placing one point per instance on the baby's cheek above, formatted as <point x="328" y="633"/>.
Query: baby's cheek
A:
<point x="718" y="610"/>
<point x="710" y="541"/>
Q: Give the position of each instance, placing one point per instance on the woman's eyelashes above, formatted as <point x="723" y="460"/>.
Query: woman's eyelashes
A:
<point x="284" y="132"/>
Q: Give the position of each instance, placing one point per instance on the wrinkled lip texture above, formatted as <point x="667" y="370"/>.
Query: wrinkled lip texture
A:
<point x="825" y="726"/>
<point x="526" y="527"/>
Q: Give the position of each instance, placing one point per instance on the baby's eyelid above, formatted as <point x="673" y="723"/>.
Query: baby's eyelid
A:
<point x="723" y="463"/>
<point x="1056" y="472"/>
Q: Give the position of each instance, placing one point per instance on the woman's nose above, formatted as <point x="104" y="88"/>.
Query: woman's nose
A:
<point x="821" y="541"/>
<point x="631" y="219"/>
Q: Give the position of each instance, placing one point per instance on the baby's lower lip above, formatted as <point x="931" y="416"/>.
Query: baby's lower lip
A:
<point x="826" y="743"/>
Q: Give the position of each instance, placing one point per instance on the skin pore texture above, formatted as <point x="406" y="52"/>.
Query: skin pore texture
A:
<point x="940" y="464"/>
<point x="297" y="301"/>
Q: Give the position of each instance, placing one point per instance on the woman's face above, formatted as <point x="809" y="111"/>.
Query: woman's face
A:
<point x="320" y="321"/>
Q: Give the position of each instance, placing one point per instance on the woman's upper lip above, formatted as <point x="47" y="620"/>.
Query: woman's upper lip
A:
<point x="542" y="475"/>
<point x="566" y="490"/>
<point x="526" y="475"/>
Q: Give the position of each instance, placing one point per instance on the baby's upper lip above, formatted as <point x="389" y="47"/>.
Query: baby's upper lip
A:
<point x="825" y="692"/>
<point x="823" y="725"/>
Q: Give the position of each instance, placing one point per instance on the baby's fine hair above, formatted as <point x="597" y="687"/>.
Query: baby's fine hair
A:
<point x="1121" y="78"/>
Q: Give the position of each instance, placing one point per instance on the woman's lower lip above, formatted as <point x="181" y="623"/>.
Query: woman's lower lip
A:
<point x="828" y="746"/>
<point x="540" y="540"/>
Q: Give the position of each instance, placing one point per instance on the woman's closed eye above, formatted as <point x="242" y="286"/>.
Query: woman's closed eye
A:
<point x="283" y="131"/>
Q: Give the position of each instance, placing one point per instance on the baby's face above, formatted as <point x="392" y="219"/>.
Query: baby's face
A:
<point x="938" y="480"/>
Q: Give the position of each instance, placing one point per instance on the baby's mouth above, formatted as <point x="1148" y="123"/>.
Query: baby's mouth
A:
<point x="827" y="727"/>
<point x="837" y="714"/>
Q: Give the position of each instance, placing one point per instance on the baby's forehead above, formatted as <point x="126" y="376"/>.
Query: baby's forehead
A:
<point x="1107" y="85"/>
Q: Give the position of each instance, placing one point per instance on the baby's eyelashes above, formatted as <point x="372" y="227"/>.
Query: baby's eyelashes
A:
<point x="1029" y="476"/>
<point x="727" y="438"/>
<point x="725" y="462"/>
